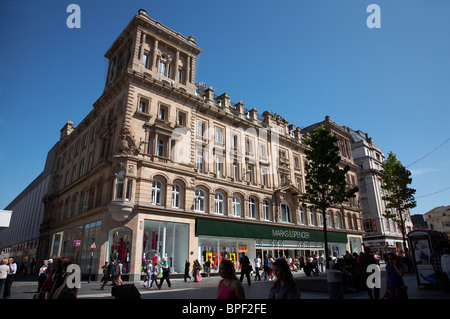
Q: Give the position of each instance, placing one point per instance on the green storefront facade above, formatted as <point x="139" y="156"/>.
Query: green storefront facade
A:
<point x="229" y="237"/>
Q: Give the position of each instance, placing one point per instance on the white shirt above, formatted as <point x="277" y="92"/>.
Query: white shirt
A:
<point x="445" y="263"/>
<point x="4" y="270"/>
<point x="257" y="262"/>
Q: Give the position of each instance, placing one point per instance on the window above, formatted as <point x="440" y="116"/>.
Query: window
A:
<point x="85" y="143"/>
<point x="176" y="196"/>
<point x="146" y="59"/>
<point x="143" y="105"/>
<point x="90" y="161"/>
<point x="200" y="161"/>
<point x="234" y="141"/>
<point x="162" y="115"/>
<point x="201" y="128"/>
<point x="264" y="177"/>
<point x="302" y="216"/>
<point x="160" y="147"/>
<point x="252" y="207"/>
<point x="74" y="173"/>
<point x="119" y="184"/>
<point x="162" y="66"/>
<point x="200" y="200"/>
<point x="312" y="217"/>
<point x="81" y="168"/>
<point x="157" y="192"/>
<point x="219" y="135"/>
<point x="94" y="135"/>
<point x="330" y="220"/>
<point x="128" y="192"/>
<point x="285" y="213"/>
<point x="235" y="171"/>
<point x="180" y="76"/>
<point x="249" y="145"/>
<point x="236" y="206"/>
<point x="219" y="203"/>
<point x="250" y="173"/>
<point x="263" y="150"/>
<point x="219" y="166"/>
<point x="181" y="119"/>
<point x="320" y="218"/>
<point x="296" y="162"/>
<point x="266" y="209"/>
<point x="338" y="221"/>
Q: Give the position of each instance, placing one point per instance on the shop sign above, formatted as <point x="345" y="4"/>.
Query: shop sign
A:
<point x="77" y="243"/>
<point x="242" y="248"/>
<point x="290" y="234"/>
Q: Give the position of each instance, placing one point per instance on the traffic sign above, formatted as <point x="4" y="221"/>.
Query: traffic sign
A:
<point x="93" y="246"/>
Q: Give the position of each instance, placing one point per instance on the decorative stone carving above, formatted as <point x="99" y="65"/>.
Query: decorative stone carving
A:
<point x="127" y="145"/>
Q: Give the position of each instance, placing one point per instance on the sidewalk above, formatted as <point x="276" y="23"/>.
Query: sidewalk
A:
<point x="25" y="288"/>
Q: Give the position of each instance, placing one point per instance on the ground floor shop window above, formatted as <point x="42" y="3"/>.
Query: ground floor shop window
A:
<point x="119" y="246"/>
<point x="355" y="244"/>
<point x="216" y="249"/>
<point x="166" y="240"/>
<point x="67" y="245"/>
<point x="91" y="232"/>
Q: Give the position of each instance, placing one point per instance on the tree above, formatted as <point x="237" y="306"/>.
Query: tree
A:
<point x="325" y="181"/>
<point x="395" y="180"/>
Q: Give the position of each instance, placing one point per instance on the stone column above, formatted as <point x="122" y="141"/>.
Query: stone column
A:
<point x="155" y="56"/>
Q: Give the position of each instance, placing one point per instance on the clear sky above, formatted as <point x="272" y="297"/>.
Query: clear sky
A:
<point x="301" y="59"/>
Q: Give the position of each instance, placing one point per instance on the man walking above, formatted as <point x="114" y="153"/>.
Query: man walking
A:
<point x="257" y="261"/>
<point x="111" y="274"/>
<point x="245" y="268"/>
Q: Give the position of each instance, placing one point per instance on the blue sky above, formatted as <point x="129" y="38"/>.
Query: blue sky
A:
<point x="301" y="59"/>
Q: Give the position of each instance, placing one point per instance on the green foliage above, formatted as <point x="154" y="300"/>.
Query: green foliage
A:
<point x="395" y="180"/>
<point x="325" y="180"/>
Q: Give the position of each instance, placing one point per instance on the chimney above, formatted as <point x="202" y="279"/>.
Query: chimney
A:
<point x="66" y="130"/>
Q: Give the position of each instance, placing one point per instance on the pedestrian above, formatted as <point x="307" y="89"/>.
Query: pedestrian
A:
<point x="207" y="267"/>
<point x="257" y="261"/>
<point x="196" y="271"/>
<point x="395" y="287"/>
<point x="445" y="265"/>
<point x="154" y="275"/>
<point x="148" y="271"/>
<point x="111" y="274"/>
<point x="266" y="266"/>
<point x="321" y="263"/>
<point x="245" y="268"/>
<point x="42" y="275"/>
<point x="119" y="272"/>
<point x="61" y="290"/>
<point x="57" y="279"/>
<point x="105" y="272"/>
<point x="284" y="287"/>
<point x="367" y="259"/>
<point x="4" y="270"/>
<point x="229" y="286"/>
<point x="166" y="272"/>
<point x="9" y="278"/>
<point x="187" y="265"/>
<point x="269" y="268"/>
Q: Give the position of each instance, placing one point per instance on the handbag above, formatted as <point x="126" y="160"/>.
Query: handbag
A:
<point x="160" y="274"/>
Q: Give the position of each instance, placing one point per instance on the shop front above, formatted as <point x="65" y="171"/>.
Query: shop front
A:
<point x="227" y="240"/>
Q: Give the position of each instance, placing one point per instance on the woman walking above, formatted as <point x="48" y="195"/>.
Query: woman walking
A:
<point x="148" y="271"/>
<point x="166" y="271"/>
<point x="284" y="287"/>
<point x="196" y="271"/>
<point x="154" y="276"/>
<point x="230" y="286"/>
<point x="395" y="271"/>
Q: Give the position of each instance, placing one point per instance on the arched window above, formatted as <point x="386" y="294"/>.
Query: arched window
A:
<point x="176" y="196"/>
<point x="157" y="192"/>
<point x="320" y="218"/>
<point x="266" y="208"/>
<point x="252" y="207"/>
<point x="355" y="222"/>
<point x="349" y="218"/>
<point x="312" y="217"/>
<point x="236" y="205"/>
<point x="338" y="221"/>
<point x="119" y="184"/>
<point x="219" y="203"/>
<point x="200" y="200"/>
<point x="330" y="220"/>
<point x="286" y="213"/>
<point x="302" y="215"/>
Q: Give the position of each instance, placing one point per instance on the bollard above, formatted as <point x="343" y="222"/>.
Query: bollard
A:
<point x="335" y="287"/>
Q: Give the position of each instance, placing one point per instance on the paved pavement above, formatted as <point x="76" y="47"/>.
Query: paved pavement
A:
<point x="207" y="289"/>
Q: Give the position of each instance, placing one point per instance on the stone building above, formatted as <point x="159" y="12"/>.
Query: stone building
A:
<point x="381" y="234"/>
<point x="438" y="219"/>
<point x="164" y="167"/>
